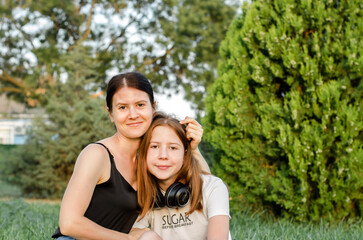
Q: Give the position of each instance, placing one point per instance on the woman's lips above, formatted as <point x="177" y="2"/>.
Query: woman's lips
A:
<point x="134" y="124"/>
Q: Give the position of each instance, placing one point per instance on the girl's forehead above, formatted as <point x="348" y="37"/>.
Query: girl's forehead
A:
<point x="165" y="133"/>
<point x="164" y="128"/>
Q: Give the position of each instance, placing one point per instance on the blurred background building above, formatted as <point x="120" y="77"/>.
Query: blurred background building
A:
<point x="15" y="119"/>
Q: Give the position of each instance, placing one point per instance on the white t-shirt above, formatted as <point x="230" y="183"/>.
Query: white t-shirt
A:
<point x="174" y="224"/>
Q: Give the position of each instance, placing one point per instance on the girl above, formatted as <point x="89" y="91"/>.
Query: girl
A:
<point x="100" y="201"/>
<point x="177" y="199"/>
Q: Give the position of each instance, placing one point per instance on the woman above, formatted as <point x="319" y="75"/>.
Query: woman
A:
<point x="177" y="199"/>
<point x="100" y="201"/>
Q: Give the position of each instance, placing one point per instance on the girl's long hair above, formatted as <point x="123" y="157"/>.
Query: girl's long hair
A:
<point x="189" y="174"/>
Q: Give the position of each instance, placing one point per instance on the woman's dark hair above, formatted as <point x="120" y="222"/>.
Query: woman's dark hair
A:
<point x="129" y="79"/>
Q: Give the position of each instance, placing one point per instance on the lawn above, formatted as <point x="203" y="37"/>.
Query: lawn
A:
<point x="21" y="219"/>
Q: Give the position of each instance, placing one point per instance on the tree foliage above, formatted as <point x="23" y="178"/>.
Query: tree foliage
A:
<point x="175" y="43"/>
<point x="285" y="111"/>
<point x="58" y="55"/>
<point x="74" y="118"/>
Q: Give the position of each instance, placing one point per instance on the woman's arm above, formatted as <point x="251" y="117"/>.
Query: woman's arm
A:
<point x="145" y="235"/>
<point x="195" y="132"/>
<point x="90" y="169"/>
<point x="200" y="159"/>
<point x="140" y="229"/>
<point x="218" y="228"/>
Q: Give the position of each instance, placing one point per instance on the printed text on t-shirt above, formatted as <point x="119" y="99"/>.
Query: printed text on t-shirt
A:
<point x="176" y="220"/>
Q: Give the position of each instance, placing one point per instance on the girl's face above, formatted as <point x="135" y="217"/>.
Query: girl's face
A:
<point x="165" y="155"/>
<point x="131" y="112"/>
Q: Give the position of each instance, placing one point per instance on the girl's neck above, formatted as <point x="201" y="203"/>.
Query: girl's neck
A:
<point x="164" y="185"/>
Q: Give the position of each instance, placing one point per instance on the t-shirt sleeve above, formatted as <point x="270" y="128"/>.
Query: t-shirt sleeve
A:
<point x="217" y="199"/>
<point x="143" y="223"/>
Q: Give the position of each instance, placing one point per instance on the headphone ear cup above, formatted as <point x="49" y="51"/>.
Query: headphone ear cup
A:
<point x="177" y="195"/>
<point x="159" y="200"/>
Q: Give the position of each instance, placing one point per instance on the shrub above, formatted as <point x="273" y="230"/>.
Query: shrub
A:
<point x="285" y="111"/>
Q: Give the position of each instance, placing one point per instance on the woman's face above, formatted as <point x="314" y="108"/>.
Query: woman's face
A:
<point x="131" y="112"/>
<point x="165" y="155"/>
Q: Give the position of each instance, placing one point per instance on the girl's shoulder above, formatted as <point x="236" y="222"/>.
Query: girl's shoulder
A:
<point x="215" y="195"/>
<point x="209" y="180"/>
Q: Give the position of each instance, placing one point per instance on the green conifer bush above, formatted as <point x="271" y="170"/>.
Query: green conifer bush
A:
<point x="285" y="111"/>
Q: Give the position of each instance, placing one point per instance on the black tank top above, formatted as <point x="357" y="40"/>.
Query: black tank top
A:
<point x="113" y="204"/>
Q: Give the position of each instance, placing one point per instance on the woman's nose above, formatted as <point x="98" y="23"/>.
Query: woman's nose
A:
<point x="133" y="113"/>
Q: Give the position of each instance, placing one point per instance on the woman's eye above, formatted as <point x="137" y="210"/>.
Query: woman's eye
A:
<point x="141" y="104"/>
<point x="153" y="146"/>
<point x="173" y="148"/>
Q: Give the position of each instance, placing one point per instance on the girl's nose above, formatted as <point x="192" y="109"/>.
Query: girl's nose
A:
<point x="163" y="154"/>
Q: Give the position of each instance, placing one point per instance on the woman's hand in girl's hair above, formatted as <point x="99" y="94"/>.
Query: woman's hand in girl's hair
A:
<point x="194" y="132"/>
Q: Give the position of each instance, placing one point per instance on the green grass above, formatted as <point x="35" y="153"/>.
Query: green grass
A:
<point x="22" y="220"/>
<point x="251" y="226"/>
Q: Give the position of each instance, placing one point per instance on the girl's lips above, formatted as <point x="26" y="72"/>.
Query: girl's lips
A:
<point x="162" y="167"/>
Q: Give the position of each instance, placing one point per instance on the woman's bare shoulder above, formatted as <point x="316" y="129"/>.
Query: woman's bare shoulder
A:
<point x="93" y="154"/>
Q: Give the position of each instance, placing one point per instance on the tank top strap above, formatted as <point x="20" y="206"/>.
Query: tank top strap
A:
<point x="109" y="153"/>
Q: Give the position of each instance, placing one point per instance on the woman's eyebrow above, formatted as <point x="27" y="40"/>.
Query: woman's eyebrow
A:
<point x="167" y="142"/>
<point x="124" y="103"/>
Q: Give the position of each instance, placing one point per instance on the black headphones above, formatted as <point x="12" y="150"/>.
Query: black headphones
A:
<point x="177" y="195"/>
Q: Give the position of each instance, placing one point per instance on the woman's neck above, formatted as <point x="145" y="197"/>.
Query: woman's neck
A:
<point x="126" y="146"/>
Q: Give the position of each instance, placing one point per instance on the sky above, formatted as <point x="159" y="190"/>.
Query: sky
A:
<point x="171" y="105"/>
<point x="174" y="105"/>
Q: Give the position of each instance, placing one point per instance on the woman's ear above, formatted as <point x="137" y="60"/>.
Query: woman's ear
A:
<point x="110" y="114"/>
<point x="154" y="107"/>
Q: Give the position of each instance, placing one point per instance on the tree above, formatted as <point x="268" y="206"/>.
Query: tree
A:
<point x="74" y="118"/>
<point x="285" y="111"/>
<point x="175" y="43"/>
<point x="58" y="54"/>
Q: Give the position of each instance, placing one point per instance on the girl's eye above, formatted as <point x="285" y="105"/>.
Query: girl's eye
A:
<point x="173" y="148"/>
<point x="153" y="146"/>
